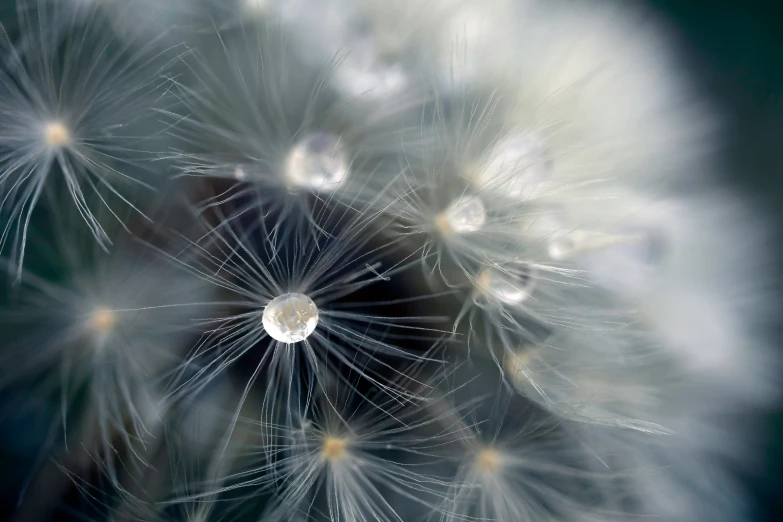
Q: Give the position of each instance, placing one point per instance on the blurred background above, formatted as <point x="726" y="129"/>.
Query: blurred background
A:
<point x="734" y="50"/>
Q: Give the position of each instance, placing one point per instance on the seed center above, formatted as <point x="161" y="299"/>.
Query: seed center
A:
<point x="56" y="134"/>
<point x="334" y="448"/>
<point x="488" y="460"/>
<point x="102" y="320"/>
<point x="464" y="214"/>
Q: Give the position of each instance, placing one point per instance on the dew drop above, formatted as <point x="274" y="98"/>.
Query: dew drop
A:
<point x="317" y="162"/>
<point x="463" y="215"/>
<point x="290" y="318"/>
<point x="506" y="287"/>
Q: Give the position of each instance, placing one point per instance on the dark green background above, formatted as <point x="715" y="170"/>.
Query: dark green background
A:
<point x="734" y="49"/>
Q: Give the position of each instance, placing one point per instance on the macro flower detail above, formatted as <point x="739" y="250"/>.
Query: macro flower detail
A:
<point x="379" y="261"/>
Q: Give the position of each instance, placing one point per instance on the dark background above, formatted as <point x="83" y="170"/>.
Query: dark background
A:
<point x="734" y="49"/>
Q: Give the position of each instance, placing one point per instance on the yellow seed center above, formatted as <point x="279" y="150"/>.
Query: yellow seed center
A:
<point x="442" y="224"/>
<point x="56" y="134"/>
<point x="488" y="460"/>
<point x="334" y="448"/>
<point x="102" y="320"/>
<point x="517" y="362"/>
<point x="484" y="281"/>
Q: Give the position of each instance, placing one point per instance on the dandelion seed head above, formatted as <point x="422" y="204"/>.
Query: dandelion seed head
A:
<point x="290" y="318"/>
<point x="506" y="287"/>
<point x="465" y="214"/>
<point x="56" y="134"/>
<point x="318" y="162"/>
<point x="334" y="448"/>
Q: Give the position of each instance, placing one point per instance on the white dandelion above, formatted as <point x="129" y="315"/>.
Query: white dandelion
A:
<point x="75" y="116"/>
<point x="350" y="449"/>
<point x="115" y="329"/>
<point x="292" y="304"/>
<point x="259" y="115"/>
<point x="513" y="464"/>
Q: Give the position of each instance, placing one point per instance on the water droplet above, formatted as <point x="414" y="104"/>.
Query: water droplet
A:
<point x="290" y="318"/>
<point x="318" y="162"/>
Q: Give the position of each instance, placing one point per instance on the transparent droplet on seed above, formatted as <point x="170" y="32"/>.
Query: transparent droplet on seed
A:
<point x="517" y="167"/>
<point x="290" y="318"/>
<point x="240" y="174"/>
<point x="365" y="73"/>
<point x="464" y="214"/>
<point x="318" y="162"/>
<point x="511" y="287"/>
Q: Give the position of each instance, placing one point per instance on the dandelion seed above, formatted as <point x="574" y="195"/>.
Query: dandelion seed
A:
<point x="350" y="448"/>
<point x="520" y="467"/>
<point x="81" y="122"/>
<point x="283" y="125"/>
<point x="290" y="291"/>
<point x="334" y="448"/>
<point x="488" y="460"/>
<point x="115" y="327"/>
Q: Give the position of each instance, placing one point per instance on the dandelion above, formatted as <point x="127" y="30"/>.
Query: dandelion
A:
<point x="292" y="298"/>
<point x="115" y="325"/>
<point x="612" y="379"/>
<point x="354" y="448"/>
<point x="507" y="469"/>
<point x="260" y="115"/>
<point x="341" y="177"/>
<point x="80" y="120"/>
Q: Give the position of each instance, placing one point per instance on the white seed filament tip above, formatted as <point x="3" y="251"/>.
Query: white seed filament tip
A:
<point x="290" y="318"/>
